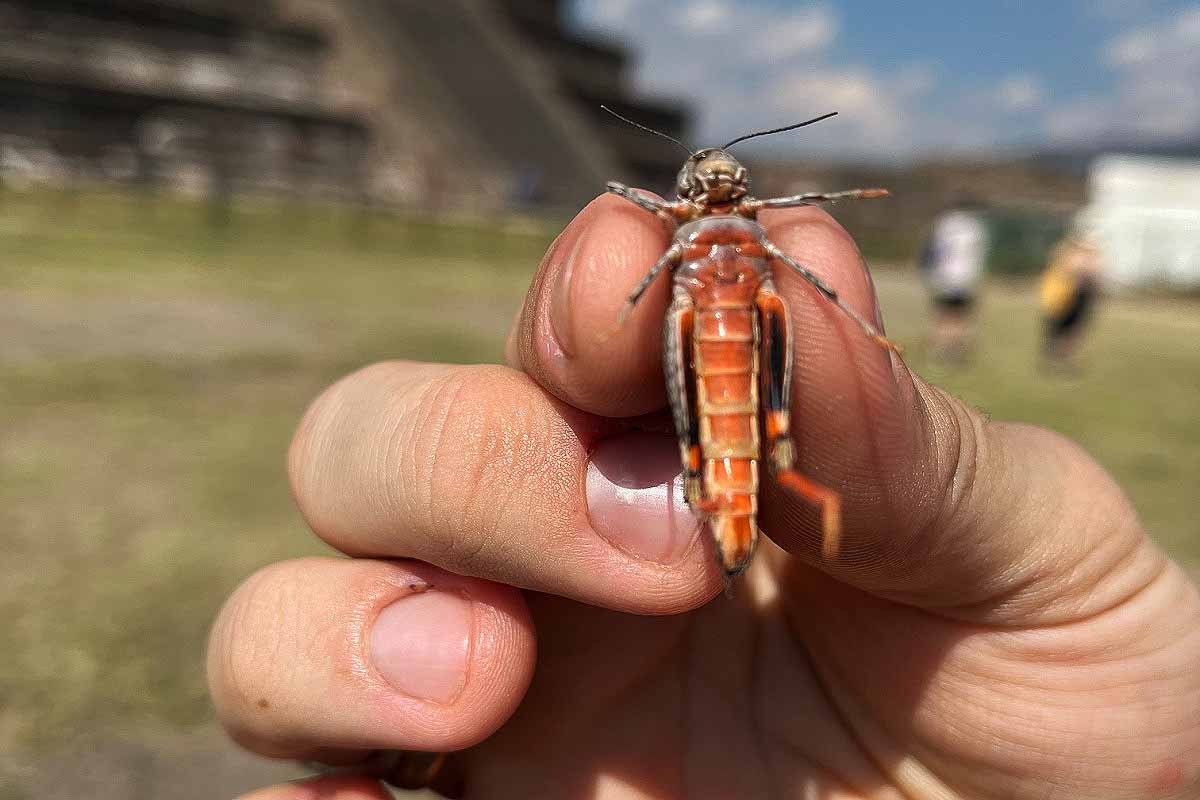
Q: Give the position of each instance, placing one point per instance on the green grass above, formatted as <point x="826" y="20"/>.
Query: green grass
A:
<point x="152" y="371"/>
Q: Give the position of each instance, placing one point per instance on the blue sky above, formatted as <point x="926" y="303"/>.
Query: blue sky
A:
<point x="911" y="79"/>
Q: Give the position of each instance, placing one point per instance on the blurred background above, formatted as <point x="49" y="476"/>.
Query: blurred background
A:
<point x="209" y="210"/>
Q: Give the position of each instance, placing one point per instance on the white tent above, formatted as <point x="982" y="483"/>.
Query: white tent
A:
<point x="1145" y="213"/>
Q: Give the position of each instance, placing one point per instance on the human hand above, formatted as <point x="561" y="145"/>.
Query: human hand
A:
<point x="997" y="624"/>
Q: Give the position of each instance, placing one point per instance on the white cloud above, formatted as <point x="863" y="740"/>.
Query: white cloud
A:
<point x="916" y="80"/>
<point x="1018" y="93"/>
<point x="719" y="54"/>
<point x="1077" y="120"/>
<point x="744" y="65"/>
<point x="875" y="116"/>
<point x="1172" y="43"/>
<point x="798" y="32"/>
<point x="1156" y="94"/>
<point x="851" y="91"/>
<point x="1135" y="47"/>
<point x="705" y="16"/>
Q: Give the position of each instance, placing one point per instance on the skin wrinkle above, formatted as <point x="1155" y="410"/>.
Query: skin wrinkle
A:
<point x="500" y="447"/>
<point x="250" y="671"/>
<point x="1033" y="574"/>
<point x="962" y="440"/>
<point x="873" y="448"/>
<point x="1083" y="573"/>
<point x="955" y="476"/>
<point x="396" y="450"/>
<point x="924" y="536"/>
<point x="1024" y="744"/>
<point x="229" y="635"/>
<point x="267" y="662"/>
<point x="1041" y="651"/>
<point x="963" y="505"/>
<point x="428" y="424"/>
<point x="911" y="390"/>
<point x="546" y="466"/>
<point x="1003" y="708"/>
<point x="842" y="715"/>
<point x="449" y="445"/>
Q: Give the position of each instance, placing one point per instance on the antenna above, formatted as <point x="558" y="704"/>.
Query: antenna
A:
<point x="648" y="130"/>
<point x="812" y="121"/>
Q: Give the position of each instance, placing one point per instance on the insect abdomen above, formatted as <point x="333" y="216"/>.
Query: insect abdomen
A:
<point x="725" y="352"/>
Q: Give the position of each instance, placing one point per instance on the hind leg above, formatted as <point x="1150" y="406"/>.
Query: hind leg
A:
<point x="677" y="368"/>
<point x="777" y="389"/>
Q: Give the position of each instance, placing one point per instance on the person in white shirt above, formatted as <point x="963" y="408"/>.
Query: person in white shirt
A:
<point x="953" y="264"/>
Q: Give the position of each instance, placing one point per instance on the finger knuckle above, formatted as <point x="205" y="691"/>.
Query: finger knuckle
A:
<point x="253" y="647"/>
<point x="486" y="450"/>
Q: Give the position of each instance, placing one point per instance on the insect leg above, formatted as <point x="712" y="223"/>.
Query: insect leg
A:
<point x="776" y="374"/>
<point x="823" y="498"/>
<point x="669" y="260"/>
<point x="638" y="198"/>
<point x="830" y="294"/>
<point x="777" y="388"/>
<point x="818" y="198"/>
<point x="677" y="339"/>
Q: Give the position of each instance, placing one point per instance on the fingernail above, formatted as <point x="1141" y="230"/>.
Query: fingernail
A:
<point x="561" y="302"/>
<point x="635" y="497"/>
<point x="421" y="645"/>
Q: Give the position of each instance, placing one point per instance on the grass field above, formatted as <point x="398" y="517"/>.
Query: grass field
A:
<point x="151" y="372"/>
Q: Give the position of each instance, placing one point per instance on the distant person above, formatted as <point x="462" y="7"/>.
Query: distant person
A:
<point x="953" y="262"/>
<point x="1069" y="288"/>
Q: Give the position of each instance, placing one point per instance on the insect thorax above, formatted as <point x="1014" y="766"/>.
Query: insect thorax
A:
<point x="720" y="229"/>
<point x="721" y="249"/>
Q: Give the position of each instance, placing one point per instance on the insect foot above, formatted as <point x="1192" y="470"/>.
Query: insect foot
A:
<point x="885" y="342"/>
<point x="693" y="490"/>
<point x="783" y="454"/>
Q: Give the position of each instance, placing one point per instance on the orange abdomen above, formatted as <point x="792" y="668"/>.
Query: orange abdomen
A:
<point x="725" y="355"/>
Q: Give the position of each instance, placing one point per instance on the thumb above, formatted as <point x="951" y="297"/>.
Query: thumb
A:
<point x="993" y="522"/>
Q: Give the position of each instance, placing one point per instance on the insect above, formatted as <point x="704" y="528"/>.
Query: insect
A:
<point x="727" y="344"/>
